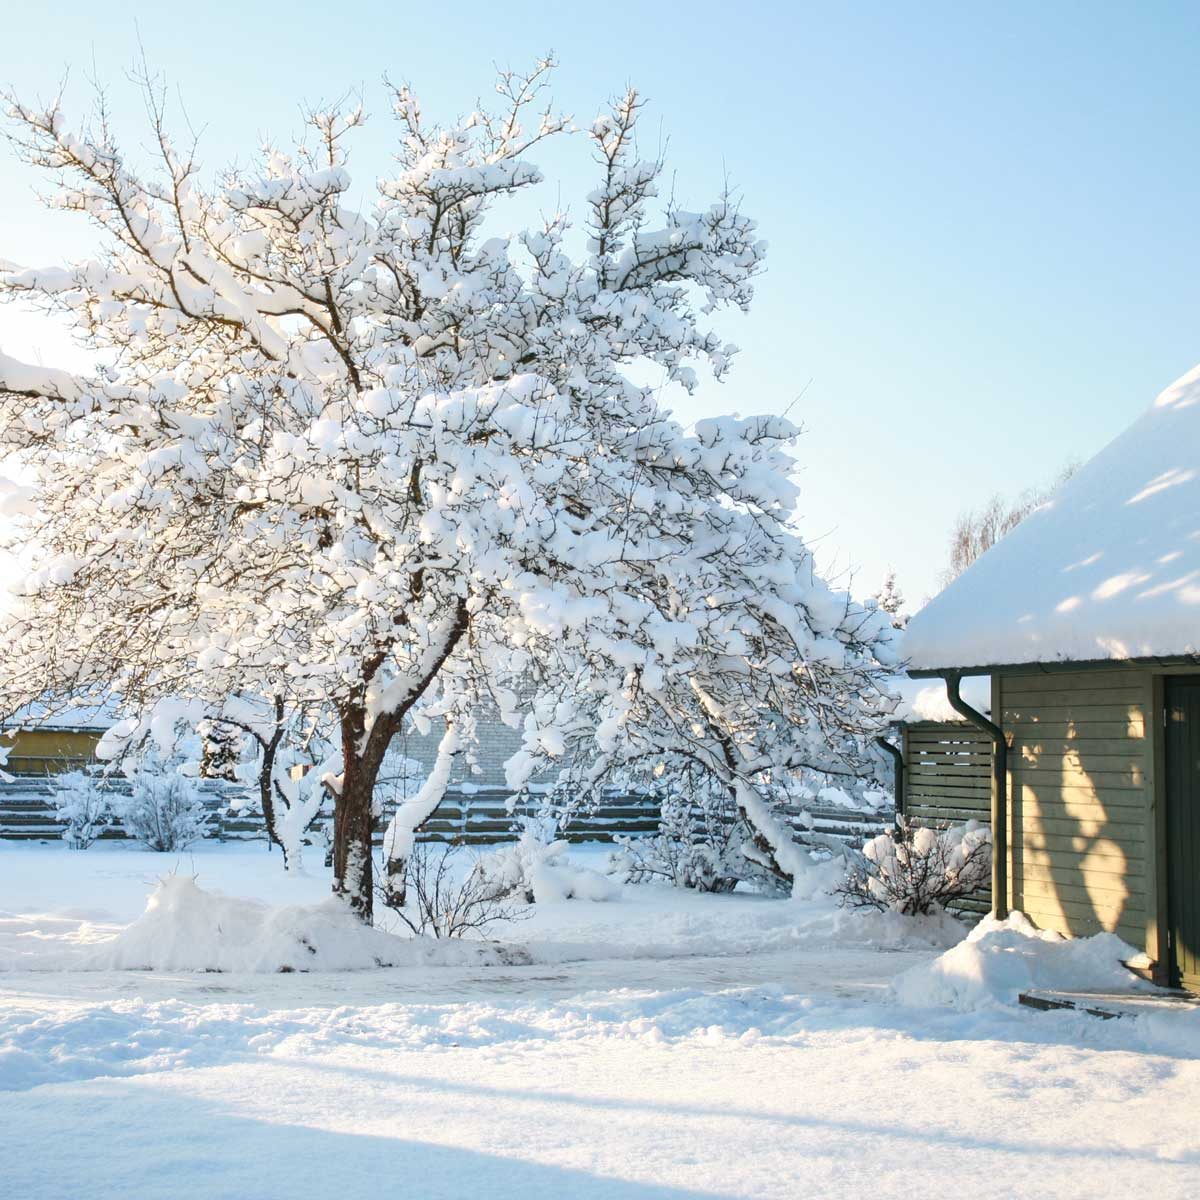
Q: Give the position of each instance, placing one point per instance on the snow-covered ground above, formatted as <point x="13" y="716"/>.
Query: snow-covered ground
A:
<point x="663" y="1045"/>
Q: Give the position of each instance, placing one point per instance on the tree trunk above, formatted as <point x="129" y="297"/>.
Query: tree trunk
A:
<point x="353" y="822"/>
<point x="411" y="815"/>
<point x="266" y="780"/>
<point x="266" y="795"/>
<point x="362" y="756"/>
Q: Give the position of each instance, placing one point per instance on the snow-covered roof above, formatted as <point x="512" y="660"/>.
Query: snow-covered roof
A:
<point x="1107" y="569"/>
<point x="64" y="716"/>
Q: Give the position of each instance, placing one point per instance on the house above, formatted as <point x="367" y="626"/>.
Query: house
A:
<point x="47" y="742"/>
<point x="1087" y="619"/>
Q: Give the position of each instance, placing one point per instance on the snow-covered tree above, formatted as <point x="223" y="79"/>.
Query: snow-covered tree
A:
<point x="891" y="599"/>
<point x="391" y="462"/>
<point x="278" y="754"/>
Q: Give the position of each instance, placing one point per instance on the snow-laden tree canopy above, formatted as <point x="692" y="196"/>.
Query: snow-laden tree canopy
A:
<point x="390" y="462"/>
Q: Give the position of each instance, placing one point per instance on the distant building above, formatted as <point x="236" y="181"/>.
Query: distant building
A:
<point x="45" y="743"/>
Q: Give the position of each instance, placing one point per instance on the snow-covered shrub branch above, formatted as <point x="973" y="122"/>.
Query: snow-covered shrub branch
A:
<point x="389" y="462"/>
<point x="919" y="870"/>
<point x="442" y="899"/>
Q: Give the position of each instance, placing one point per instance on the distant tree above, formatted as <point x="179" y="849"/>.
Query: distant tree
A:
<point x="252" y="740"/>
<point x="891" y="599"/>
<point x="978" y="530"/>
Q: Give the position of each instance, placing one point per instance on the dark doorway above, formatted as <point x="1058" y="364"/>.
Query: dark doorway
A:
<point x="1183" y="829"/>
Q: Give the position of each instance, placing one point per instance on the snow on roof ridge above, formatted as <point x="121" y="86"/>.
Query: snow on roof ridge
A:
<point x="98" y="715"/>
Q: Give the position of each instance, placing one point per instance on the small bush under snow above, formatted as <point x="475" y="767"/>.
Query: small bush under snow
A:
<point x="163" y="810"/>
<point x="918" y="870"/>
<point x="83" y="804"/>
<point x="442" y="900"/>
<point x="540" y="871"/>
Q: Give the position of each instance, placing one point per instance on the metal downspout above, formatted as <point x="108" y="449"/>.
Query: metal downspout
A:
<point x="897" y="773"/>
<point x="999" y="792"/>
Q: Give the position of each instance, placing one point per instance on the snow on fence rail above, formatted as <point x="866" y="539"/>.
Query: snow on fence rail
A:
<point x="479" y="817"/>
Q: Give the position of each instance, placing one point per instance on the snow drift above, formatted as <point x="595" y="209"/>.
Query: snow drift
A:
<point x="186" y="928"/>
<point x="1000" y="959"/>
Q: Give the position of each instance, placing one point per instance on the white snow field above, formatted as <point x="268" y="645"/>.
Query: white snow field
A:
<point x="662" y="1046"/>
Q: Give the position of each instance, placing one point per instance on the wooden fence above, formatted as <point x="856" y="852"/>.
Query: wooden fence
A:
<point x="947" y="780"/>
<point x="481" y="816"/>
<point x="27" y="810"/>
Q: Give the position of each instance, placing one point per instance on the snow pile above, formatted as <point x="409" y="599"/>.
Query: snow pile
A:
<point x="655" y="929"/>
<point x="562" y="880"/>
<point x="1108" y="568"/>
<point x="1000" y="959"/>
<point x="186" y="928"/>
<point x="1171" y="1032"/>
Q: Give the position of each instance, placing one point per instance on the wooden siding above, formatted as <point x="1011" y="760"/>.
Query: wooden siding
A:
<point x="48" y="751"/>
<point x="1081" y="786"/>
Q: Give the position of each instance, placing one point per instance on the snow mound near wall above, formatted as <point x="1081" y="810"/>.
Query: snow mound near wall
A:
<point x="1000" y="959"/>
<point x="186" y="928"/>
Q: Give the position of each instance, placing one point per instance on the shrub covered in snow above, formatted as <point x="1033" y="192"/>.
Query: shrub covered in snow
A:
<point x="83" y="803"/>
<point x="539" y="870"/>
<point x="163" y="809"/>
<point x="918" y="870"/>
<point x="700" y="844"/>
<point x="443" y="900"/>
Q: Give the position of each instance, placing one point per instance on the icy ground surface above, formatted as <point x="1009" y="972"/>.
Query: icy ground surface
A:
<point x="665" y="1045"/>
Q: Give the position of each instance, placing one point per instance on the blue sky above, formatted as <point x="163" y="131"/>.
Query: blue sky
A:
<point x="983" y="218"/>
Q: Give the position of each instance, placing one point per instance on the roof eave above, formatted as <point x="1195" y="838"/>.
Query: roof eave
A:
<point x="1052" y="668"/>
